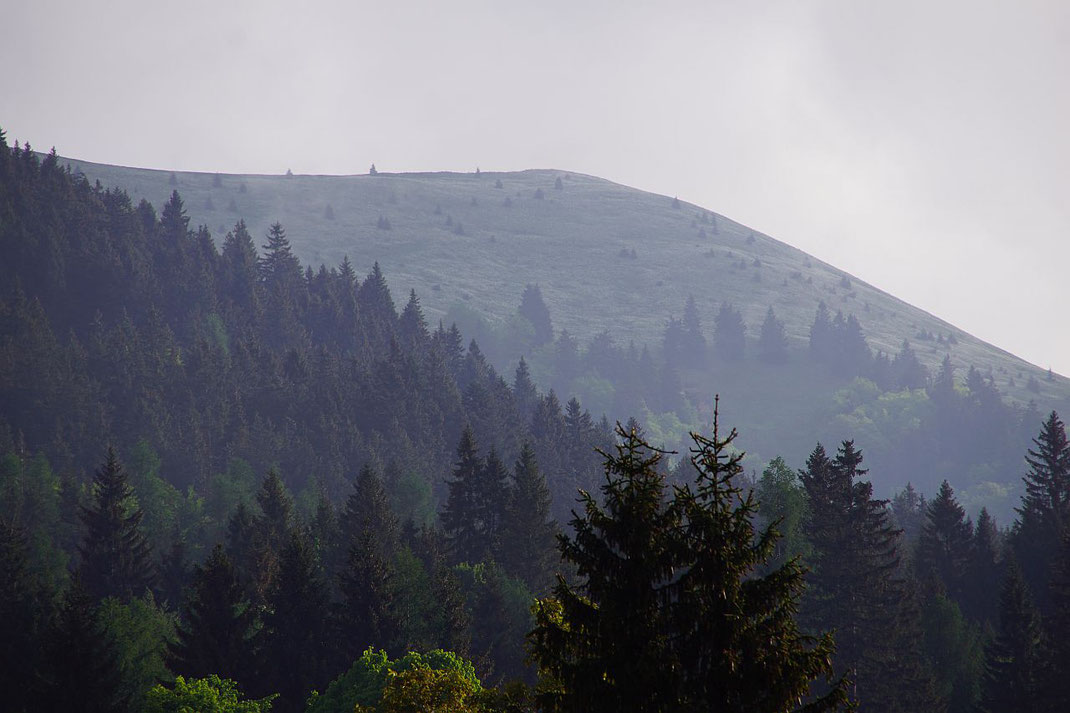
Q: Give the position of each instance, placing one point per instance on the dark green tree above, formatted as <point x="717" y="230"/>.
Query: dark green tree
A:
<point x="82" y="672"/>
<point x="296" y="638"/>
<point x="1045" y="507"/>
<point x="1012" y="659"/>
<point x="856" y="586"/>
<point x="367" y="510"/>
<point x="1055" y="680"/>
<point x="528" y="537"/>
<point x="943" y="554"/>
<point x="23" y="615"/>
<point x="216" y="633"/>
<point x="116" y="560"/>
<point x="666" y="615"/>
<point x="460" y="518"/>
<point x="366" y="615"/>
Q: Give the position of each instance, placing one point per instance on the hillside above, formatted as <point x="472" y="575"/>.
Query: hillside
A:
<point x="570" y="243"/>
<point x="469" y="243"/>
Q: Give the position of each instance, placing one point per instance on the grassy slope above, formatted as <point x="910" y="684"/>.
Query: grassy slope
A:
<point x="568" y="243"/>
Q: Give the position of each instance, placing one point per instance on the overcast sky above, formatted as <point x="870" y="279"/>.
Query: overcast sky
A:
<point x="922" y="146"/>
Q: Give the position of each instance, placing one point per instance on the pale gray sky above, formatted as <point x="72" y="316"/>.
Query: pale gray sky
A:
<point x="922" y="146"/>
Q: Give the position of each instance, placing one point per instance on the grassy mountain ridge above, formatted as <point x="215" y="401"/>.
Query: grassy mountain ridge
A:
<point x="460" y="239"/>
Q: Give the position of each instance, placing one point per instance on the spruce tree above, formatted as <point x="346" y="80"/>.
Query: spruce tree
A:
<point x="1012" y="659"/>
<point x="460" y="518"/>
<point x="528" y="539"/>
<point x="116" y="560"/>
<point x="1055" y="681"/>
<point x="856" y="586"/>
<point x="667" y="615"/>
<point x="981" y="598"/>
<point x="296" y="639"/>
<point x="82" y="672"/>
<point x="944" y="547"/>
<point x="366" y="615"/>
<point x="772" y="342"/>
<point x="729" y="333"/>
<point x="1045" y="507"/>
<point x="216" y="630"/>
<point x="22" y="619"/>
<point x="524" y="390"/>
<point x="533" y="309"/>
<point x="367" y="510"/>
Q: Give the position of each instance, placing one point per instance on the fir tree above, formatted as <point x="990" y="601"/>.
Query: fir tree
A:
<point x="460" y="518"/>
<point x="83" y="671"/>
<point x="772" y="342"/>
<point x="116" y="560"/>
<point x="729" y="333"/>
<point x="944" y="546"/>
<point x="528" y="536"/>
<point x="981" y="598"/>
<point x="367" y="513"/>
<point x="1012" y="658"/>
<point x="667" y="615"/>
<point x="366" y="617"/>
<point x="533" y="309"/>
<point x="22" y="616"/>
<point x="1055" y="682"/>
<point x="1045" y="506"/>
<point x="856" y="586"/>
<point x="217" y="624"/>
<point x="296" y="643"/>
<point x="524" y="390"/>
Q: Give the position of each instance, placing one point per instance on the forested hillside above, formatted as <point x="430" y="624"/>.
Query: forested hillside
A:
<point x="230" y="481"/>
<point x="649" y="306"/>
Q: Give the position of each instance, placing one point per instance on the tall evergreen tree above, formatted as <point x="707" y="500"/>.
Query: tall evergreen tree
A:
<point x="1012" y="658"/>
<point x="116" y="560"/>
<point x="366" y="615"/>
<point x="215" y="636"/>
<point x="460" y="518"/>
<point x="22" y="619"/>
<point x="1045" y="506"/>
<point x="533" y="308"/>
<point x="772" y="342"/>
<point x="729" y="333"/>
<point x="528" y="537"/>
<point x="83" y="671"/>
<point x="367" y="510"/>
<point x="856" y="586"/>
<point x="296" y="640"/>
<point x="667" y="615"/>
<point x="1055" y="679"/>
<point x="943" y="554"/>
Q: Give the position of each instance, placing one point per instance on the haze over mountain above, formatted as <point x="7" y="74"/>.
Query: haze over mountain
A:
<point x="476" y="239"/>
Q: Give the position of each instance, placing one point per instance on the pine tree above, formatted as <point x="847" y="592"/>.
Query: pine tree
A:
<point x="856" y="589"/>
<point x="1055" y="680"/>
<point x="524" y="390"/>
<point x="82" y="672"/>
<point x="215" y="636"/>
<point x="528" y="537"/>
<point x="694" y="341"/>
<point x="412" y="327"/>
<point x="667" y="615"/>
<point x="22" y="618"/>
<point x="296" y="640"/>
<point x="1045" y="506"/>
<point x="981" y="598"/>
<point x="1012" y="658"/>
<point x="367" y="510"/>
<point x="772" y="342"/>
<point x="460" y="518"/>
<point x="729" y="333"/>
<point x="116" y="560"/>
<point x="944" y="546"/>
<point x="533" y="309"/>
<point x="366" y="616"/>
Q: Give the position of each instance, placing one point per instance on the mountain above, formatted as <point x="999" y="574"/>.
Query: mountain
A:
<point x="609" y="257"/>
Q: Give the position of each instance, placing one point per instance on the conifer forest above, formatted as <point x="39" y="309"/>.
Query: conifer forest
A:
<point x="234" y="482"/>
